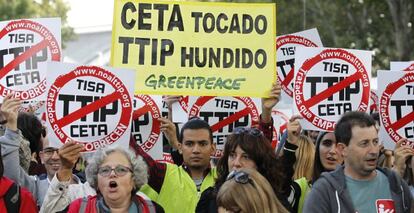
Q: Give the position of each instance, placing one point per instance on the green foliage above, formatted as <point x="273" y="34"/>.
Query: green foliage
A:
<point x="382" y="26"/>
<point x="18" y="9"/>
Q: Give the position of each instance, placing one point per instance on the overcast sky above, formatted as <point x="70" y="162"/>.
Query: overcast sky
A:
<point x="84" y="14"/>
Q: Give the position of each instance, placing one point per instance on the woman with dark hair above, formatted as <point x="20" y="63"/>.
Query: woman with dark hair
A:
<point x="326" y="159"/>
<point x="249" y="148"/>
<point x="327" y="156"/>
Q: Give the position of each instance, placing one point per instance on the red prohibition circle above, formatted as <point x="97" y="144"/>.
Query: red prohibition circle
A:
<point x="120" y="93"/>
<point x="282" y="127"/>
<point x="385" y="103"/>
<point x="150" y="106"/>
<point x="252" y="110"/>
<point x="410" y="68"/>
<point x="48" y="40"/>
<point x="291" y="39"/>
<point x="361" y="74"/>
<point x="374" y="104"/>
<point x="249" y="109"/>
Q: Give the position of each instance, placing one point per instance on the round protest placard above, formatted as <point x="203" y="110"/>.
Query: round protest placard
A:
<point x="97" y="115"/>
<point x="410" y="68"/>
<point x="280" y="121"/>
<point x="329" y="84"/>
<point x="28" y="43"/>
<point x="224" y="114"/>
<point x="145" y="124"/>
<point x="285" y="51"/>
<point x="398" y="123"/>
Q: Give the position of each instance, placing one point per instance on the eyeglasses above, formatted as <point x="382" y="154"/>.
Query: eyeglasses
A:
<point x="239" y="177"/>
<point x="48" y="152"/>
<point x="247" y="130"/>
<point x="119" y="170"/>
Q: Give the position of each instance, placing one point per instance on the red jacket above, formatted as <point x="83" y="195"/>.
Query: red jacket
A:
<point x="27" y="203"/>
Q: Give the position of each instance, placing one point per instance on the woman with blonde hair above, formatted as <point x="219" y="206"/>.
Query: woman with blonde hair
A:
<point x="305" y="157"/>
<point x="246" y="190"/>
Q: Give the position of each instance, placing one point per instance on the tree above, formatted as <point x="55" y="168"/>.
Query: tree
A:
<point x="18" y="9"/>
<point x="383" y="26"/>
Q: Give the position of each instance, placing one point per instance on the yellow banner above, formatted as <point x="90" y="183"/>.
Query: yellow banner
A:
<point x="196" y="48"/>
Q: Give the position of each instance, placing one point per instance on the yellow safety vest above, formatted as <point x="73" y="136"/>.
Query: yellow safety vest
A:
<point x="179" y="192"/>
<point x="304" y="190"/>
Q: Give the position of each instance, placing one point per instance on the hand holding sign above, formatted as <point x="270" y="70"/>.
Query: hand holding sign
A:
<point x="69" y="154"/>
<point x="294" y="128"/>
<point x="401" y="154"/>
<point x="170" y="99"/>
<point x="9" y="109"/>
<point x="270" y="102"/>
<point x="170" y="132"/>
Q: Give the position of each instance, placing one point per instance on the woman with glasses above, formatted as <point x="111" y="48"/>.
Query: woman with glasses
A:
<point x="116" y="174"/>
<point x="246" y="190"/>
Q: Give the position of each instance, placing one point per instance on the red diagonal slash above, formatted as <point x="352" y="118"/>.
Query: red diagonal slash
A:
<point x="23" y="57"/>
<point x="92" y="107"/>
<point x="289" y="77"/>
<point x="332" y="90"/>
<point x="403" y="121"/>
<point x="232" y="118"/>
<point x="141" y="111"/>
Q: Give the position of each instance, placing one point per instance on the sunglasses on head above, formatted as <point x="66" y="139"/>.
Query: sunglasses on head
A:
<point x="239" y="177"/>
<point x="247" y="130"/>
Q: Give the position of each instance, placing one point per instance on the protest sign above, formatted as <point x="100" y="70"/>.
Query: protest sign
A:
<point x="183" y="48"/>
<point x="224" y="114"/>
<point x="285" y="52"/>
<point x="280" y="121"/>
<point x="145" y="125"/>
<point x="88" y="104"/>
<point x="396" y="107"/>
<point x="24" y="46"/>
<point x="328" y="83"/>
<point x="402" y="65"/>
<point x="180" y="110"/>
<point x="35" y="107"/>
<point x="373" y="102"/>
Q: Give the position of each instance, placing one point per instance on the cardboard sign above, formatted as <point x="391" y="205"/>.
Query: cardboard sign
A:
<point x="24" y="46"/>
<point x="285" y="51"/>
<point x="396" y="107"/>
<point x="183" y="48"/>
<point x="373" y="102"/>
<point x="90" y="105"/>
<point x="145" y="125"/>
<point x="328" y="83"/>
<point x="224" y="114"/>
<point x="402" y="65"/>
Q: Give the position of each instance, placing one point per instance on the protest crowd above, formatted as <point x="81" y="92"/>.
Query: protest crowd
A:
<point x="331" y="154"/>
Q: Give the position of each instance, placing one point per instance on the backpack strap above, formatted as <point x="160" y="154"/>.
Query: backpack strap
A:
<point x="84" y="202"/>
<point x="12" y="198"/>
<point x="148" y="205"/>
